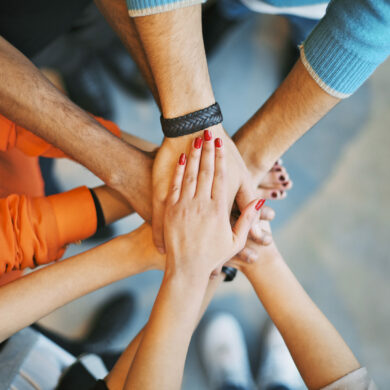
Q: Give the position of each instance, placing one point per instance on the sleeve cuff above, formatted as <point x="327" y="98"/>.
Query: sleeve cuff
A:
<point x="75" y="214"/>
<point x="357" y="380"/>
<point x="337" y="70"/>
<point x="151" y="7"/>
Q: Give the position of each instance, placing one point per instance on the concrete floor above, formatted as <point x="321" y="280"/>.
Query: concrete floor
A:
<point x="333" y="228"/>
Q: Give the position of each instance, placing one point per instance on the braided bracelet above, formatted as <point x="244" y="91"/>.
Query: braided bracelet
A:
<point x="193" y="122"/>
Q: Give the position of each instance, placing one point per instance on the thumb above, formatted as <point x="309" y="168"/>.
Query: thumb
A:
<point x="247" y="218"/>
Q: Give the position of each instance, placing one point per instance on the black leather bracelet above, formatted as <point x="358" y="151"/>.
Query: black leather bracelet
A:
<point x="230" y="273"/>
<point x="193" y="122"/>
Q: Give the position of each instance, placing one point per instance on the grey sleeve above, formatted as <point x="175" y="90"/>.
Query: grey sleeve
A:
<point x="355" y="380"/>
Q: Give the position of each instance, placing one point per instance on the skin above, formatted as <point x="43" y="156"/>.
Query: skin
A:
<point x="30" y="100"/>
<point x="182" y="84"/>
<point x="198" y="193"/>
<point x="68" y="280"/>
<point x="318" y="350"/>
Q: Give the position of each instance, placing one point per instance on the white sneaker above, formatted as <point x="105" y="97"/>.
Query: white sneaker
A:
<point x="277" y="365"/>
<point x="224" y="354"/>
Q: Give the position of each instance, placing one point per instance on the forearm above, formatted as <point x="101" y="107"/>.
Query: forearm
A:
<point x="297" y="105"/>
<point x="27" y="98"/>
<point x="30" y="298"/>
<point x="117" y="377"/>
<point x="160" y="358"/>
<point x="174" y="48"/>
<point x="320" y="353"/>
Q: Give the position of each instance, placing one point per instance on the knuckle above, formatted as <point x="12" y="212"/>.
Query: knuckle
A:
<point x="189" y="179"/>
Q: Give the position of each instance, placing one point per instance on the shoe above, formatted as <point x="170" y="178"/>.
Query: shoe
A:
<point x="119" y="64"/>
<point x="277" y="368"/>
<point x="86" y="88"/>
<point x="109" y="323"/>
<point x="224" y="354"/>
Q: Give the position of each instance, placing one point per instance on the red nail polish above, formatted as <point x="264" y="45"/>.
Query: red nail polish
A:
<point x="285" y="184"/>
<point x="218" y="143"/>
<point x="182" y="159"/>
<point x="198" y="143"/>
<point x="278" y="169"/>
<point x="282" y="178"/>
<point x="259" y="204"/>
<point x="207" y="135"/>
<point x="274" y="194"/>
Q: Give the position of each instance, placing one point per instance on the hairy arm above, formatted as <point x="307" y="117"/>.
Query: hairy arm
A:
<point x="320" y="353"/>
<point x="30" y="100"/>
<point x="31" y="297"/>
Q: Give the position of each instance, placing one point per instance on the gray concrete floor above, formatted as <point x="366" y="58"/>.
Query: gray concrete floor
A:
<point x="333" y="228"/>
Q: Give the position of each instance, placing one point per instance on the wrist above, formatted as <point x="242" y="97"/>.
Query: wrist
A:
<point x="216" y="130"/>
<point x="185" y="270"/>
<point x="186" y="278"/>
<point x="266" y="260"/>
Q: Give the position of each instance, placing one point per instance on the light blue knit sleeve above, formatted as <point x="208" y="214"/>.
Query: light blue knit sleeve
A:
<point x="150" y="7"/>
<point x="348" y="44"/>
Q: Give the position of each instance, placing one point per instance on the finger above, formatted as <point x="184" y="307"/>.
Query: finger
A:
<point x="267" y="214"/>
<point x="216" y="272"/>
<point x="248" y="255"/>
<point x="218" y="191"/>
<point x="191" y="173"/>
<point x="206" y="169"/>
<point x="177" y="181"/>
<point x="287" y="185"/>
<point x="273" y="179"/>
<point x="261" y="235"/>
<point x="158" y="224"/>
<point x="247" y="218"/>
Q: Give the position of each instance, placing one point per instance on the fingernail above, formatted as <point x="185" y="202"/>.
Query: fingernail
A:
<point x="285" y="184"/>
<point x="281" y="192"/>
<point x="218" y="143"/>
<point x="278" y="169"/>
<point x="282" y="178"/>
<point x="259" y="204"/>
<point x="198" y="143"/>
<point x="182" y="159"/>
<point x="274" y="195"/>
<point x="207" y="135"/>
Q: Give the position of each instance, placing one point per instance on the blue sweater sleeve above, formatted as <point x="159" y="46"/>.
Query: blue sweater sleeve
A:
<point x="348" y="44"/>
<point x="150" y="7"/>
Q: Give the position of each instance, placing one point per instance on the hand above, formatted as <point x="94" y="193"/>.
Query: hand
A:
<point x="239" y="182"/>
<point x="197" y="230"/>
<point x="254" y="254"/>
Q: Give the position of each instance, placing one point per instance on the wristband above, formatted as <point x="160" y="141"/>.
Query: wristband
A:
<point x="230" y="273"/>
<point x="193" y="122"/>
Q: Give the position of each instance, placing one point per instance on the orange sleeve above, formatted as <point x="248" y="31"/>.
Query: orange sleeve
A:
<point x="35" y="231"/>
<point x="12" y="135"/>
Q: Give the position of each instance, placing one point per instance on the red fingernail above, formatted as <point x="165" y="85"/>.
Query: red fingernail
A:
<point x="285" y="184"/>
<point x="207" y="135"/>
<point x="274" y="194"/>
<point x="259" y="204"/>
<point x="278" y="169"/>
<point x="182" y="159"/>
<point x="218" y="143"/>
<point x="282" y="178"/>
<point x="198" y="142"/>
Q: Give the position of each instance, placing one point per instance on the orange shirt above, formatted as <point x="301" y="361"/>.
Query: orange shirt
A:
<point x="35" y="229"/>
